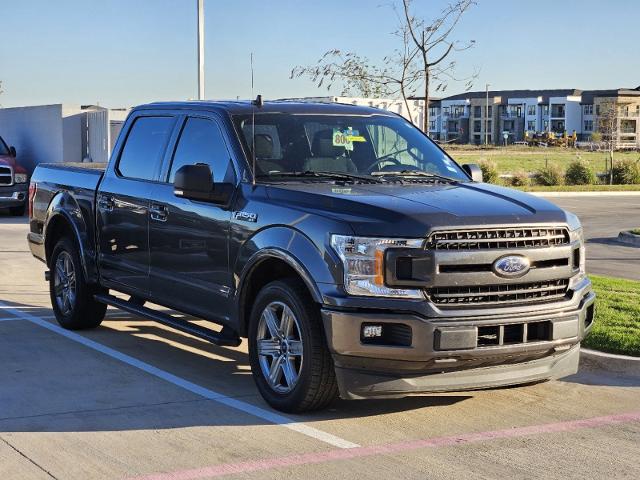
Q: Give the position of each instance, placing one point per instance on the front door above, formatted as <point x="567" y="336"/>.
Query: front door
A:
<point x="123" y="203"/>
<point x="189" y="239"/>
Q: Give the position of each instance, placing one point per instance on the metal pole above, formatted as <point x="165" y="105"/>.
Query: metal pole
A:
<point x="486" y="120"/>
<point x="200" y="49"/>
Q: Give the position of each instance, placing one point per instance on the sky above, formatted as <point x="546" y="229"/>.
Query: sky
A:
<point x="119" y="53"/>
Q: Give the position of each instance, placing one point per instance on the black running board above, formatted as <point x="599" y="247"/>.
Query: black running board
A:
<point x="219" y="338"/>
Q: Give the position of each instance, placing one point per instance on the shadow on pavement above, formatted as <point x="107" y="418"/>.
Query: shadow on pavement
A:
<point x="49" y="385"/>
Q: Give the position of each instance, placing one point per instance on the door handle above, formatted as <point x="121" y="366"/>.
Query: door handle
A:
<point x="106" y="203"/>
<point x="158" y="213"/>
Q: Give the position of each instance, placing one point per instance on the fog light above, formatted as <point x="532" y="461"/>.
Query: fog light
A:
<point x="372" y="331"/>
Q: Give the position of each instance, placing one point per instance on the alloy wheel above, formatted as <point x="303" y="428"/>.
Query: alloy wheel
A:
<point x="64" y="282"/>
<point x="280" y="347"/>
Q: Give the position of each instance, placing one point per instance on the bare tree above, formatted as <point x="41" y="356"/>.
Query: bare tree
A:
<point x="607" y="121"/>
<point x="434" y="45"/>
<point x="417" y="63"/>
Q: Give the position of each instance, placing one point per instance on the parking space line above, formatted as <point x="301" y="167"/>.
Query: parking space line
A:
<point x="245" y="407"/>
<point x="389" y="449"/>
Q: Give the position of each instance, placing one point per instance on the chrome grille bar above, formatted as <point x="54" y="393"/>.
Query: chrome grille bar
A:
<point x="499" y="238"/>
<point x="499" y="294"/>
<point x="6" y="175"/>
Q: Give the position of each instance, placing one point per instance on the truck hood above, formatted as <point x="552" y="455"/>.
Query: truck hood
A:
<point x="412" y="210"/>
<point x="11" y="162"/>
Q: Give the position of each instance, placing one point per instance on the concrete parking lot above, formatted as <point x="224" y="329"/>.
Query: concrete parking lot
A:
<point x="134" y="399"/>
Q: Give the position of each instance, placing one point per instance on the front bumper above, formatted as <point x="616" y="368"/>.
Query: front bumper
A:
<point x="14" y="196"/>
<point x="453" y="354"/>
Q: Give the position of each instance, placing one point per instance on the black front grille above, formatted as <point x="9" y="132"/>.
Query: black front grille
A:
<point x="499" y="238"/>
<point x="6" y="177"/>
<point x="517" y="293"/>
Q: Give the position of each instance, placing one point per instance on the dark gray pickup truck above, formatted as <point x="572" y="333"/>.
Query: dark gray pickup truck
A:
<point x="352" y="252"/>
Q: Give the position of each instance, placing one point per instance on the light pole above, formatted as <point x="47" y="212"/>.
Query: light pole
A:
<point x="486" y="117"/>
<point x="200" y="49"/>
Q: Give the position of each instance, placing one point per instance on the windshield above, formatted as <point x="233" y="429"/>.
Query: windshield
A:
<point x="4" y="150"/>
<point x="375" y="146"/>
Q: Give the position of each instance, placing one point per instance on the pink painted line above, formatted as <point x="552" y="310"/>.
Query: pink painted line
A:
<point x="345" y="454"/>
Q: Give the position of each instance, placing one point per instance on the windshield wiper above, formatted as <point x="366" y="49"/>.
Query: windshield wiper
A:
<point x="414" y="173"/>
<point x="327" y="174"/>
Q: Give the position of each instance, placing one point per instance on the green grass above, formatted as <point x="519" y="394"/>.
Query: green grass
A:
<point x="531" y="159"/>
<point x="617" y="324"/>
<point x="636" y="231"/>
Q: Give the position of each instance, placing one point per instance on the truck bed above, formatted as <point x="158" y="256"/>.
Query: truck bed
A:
<point x="73" y="185"/>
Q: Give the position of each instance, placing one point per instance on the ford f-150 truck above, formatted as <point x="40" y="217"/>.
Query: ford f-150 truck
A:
<point x="352" y="252"/>
<point x="13" y="181"/>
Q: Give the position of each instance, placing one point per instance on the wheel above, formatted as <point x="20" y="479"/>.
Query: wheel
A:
<point x="17" y="211"/>
<point x="290" y="361"/>
<point x="71" y="296"/>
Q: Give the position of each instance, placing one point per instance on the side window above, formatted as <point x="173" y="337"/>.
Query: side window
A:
<point x="201" y="141"/>
<point x="145" y="144"/>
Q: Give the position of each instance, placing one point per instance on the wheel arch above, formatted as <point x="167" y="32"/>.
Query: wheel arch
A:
<point x="64" y="217"/>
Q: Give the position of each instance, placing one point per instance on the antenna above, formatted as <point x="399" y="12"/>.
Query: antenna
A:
<point x="253" y="129"/>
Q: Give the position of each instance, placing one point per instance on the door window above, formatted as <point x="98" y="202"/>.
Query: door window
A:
<point x="144" y="147"/>
<point x="201" y="141"/>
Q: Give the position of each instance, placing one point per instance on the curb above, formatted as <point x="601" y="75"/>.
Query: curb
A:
<point x="615" y="364"/>
<point x="629" y="238"/>
<point x="630" y="193"/>
<point x="597" y="353"/>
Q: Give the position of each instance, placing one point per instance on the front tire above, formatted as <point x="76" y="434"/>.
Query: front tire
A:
<point x="290" y="361"/>
<point x="71" y="296"/>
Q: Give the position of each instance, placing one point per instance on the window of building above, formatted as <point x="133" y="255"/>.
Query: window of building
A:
<point x="432" y="124"/>
<point x="545" y="125"/>
<point x="588" y="109"/>
<point x="531" y="110"/>
<point x="477" y="126"/>
<point x="490" y="111"/>
<point x="477" y="111"/>
<point x="545" y="110"/>
<point x="201" y="142"/>
<point x="588" y="125"/>
<point x="433" y="111"/>
<point x="597" y="109"/>
<point x="531" y="125"/>
<point x="144" y="148"/>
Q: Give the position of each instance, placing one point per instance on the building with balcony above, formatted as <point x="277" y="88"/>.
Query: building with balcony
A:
<point x="507" y="116"/>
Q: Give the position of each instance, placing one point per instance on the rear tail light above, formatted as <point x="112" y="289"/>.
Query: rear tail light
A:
<point x="33" y="188"/>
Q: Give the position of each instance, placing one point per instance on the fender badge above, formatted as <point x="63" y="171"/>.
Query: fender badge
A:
<point x="245" y="217"/>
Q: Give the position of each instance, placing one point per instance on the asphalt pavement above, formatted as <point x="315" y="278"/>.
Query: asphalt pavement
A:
<point x="134" y="399"/>
<point x="603" y="217"/>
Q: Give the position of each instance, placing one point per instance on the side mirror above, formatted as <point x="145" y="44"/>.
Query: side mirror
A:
<point x="12" y="151"/>
<point x="195" y="182"/>
<point x="474" y="171"/>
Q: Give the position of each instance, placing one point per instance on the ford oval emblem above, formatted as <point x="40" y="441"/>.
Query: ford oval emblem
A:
<point x="511" y="266"/>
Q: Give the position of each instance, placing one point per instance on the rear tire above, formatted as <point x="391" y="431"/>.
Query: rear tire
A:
<point x="71" y="296"/>
<point x="288" y="353"/>
<point x="17" y="211"/>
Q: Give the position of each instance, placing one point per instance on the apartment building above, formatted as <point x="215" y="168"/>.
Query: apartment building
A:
<point x="501" y="116"/>
<point x="496" y="117"/>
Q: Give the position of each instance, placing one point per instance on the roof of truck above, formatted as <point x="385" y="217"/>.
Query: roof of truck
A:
<point x="240" y="107"/>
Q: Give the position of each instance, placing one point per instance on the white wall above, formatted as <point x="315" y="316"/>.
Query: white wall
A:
<point x="36" y="132"/>
<point x="48" y="133"/>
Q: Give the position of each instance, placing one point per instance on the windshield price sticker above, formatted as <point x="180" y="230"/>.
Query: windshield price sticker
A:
<point x="345" y="138"/>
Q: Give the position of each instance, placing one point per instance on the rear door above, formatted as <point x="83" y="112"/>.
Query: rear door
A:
<point x="189" y="239"/>
<point x="123" y="202"/>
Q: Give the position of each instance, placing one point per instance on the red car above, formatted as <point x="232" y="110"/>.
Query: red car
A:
<point x="14" y="181"/>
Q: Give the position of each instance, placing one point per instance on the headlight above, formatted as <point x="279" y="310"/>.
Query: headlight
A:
<point x="363" y="263"/>
<point x="20" y="178"/>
